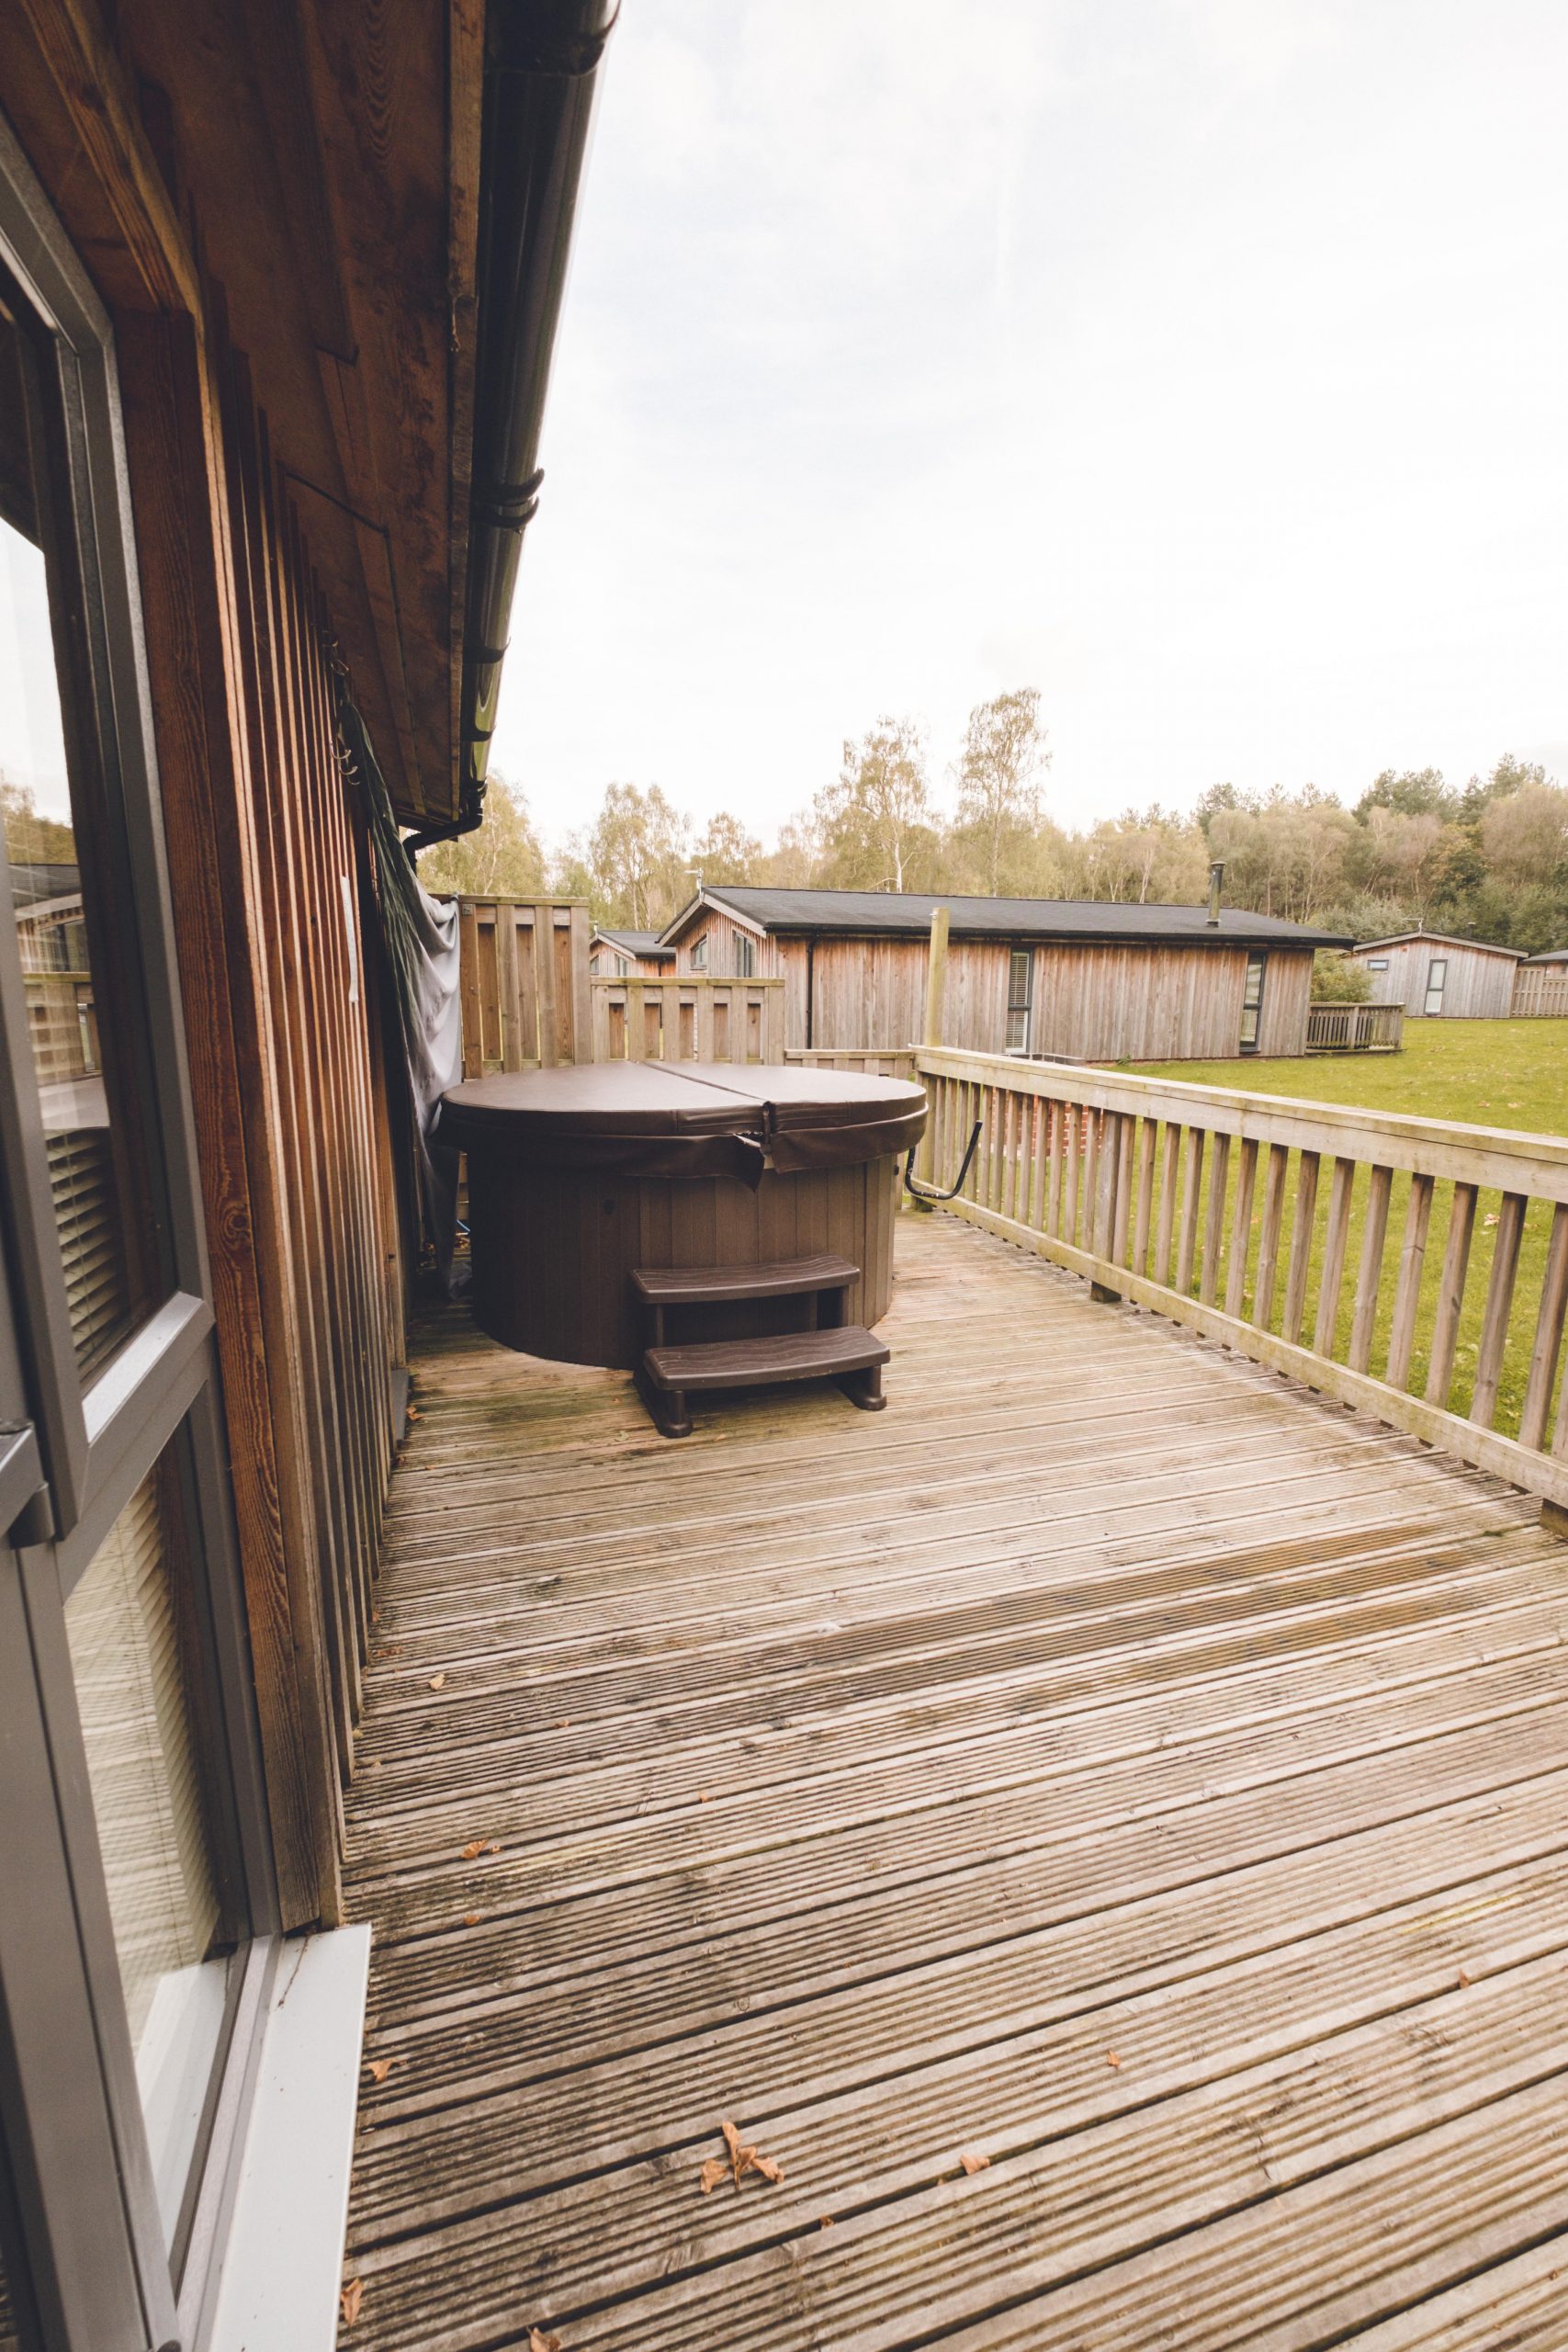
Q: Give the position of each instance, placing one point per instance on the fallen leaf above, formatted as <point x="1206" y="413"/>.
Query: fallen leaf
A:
<point x="412" y="1413"/>
<point x="703" y="1797"/>
<point x="1463" y="1977"/>
<point x="539" y="2342"/>
<point x="566" y="1725"/>
<point x="973" y="2163"/>
<point x="1112" y="2059"/>
<point x="744" y="2158"/>
<point x="476" y="1846"/>
<point x="712" y="2173"/>
<point x="472" y="1919"/>
<point x="352" y="2297"/>
<point x="826" y="2223"/>
<point x="494" y="1846"/>
<point x="380" y="2068"/>
<point x="1490" y="1220"/>
<point x="436" y="1681"/>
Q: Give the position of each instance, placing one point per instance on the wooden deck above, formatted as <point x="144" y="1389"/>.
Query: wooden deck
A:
<point x="1101" y="1826"/>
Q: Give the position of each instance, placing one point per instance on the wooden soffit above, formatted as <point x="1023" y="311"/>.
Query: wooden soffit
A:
<point x="306" y="175"/>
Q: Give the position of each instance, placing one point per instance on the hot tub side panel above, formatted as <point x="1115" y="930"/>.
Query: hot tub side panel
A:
<point x="553" y="1249"/>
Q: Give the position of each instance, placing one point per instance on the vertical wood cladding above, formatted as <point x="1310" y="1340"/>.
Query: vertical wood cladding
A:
<point x="1478" y="984"/>
<point x="269" y="870"/>
<point x="313" y="873"/>
<point x="723" y="953"/>
<point x="1132" y="1003"/>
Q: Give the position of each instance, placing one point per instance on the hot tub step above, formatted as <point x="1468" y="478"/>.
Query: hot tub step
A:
<point x="846" y="1353"/>
<point x="711" y="1285"/>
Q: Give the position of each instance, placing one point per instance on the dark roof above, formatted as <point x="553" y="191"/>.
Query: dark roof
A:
<point x="1440" y="939"/>
<point x="1549" y="955"/>
<point x="635" y="943"/>
<point x="908" y="913"/>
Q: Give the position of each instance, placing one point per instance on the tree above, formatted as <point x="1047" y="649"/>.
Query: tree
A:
<point x="999" y="781"/>
<point x="877" y="821"/>
<point x="1524" y="834"/>
<point x="1408" y="856"/>
<point x="1418" y="792"/>
<point x="1285" y="853"/>
<point x="500" y="858"/>
<point x="1137" y="858"/>
<point x="32" y="839"/>
<point x="797" y="862"/>
<point x="726" y="852"/>
<point x="636" y="857"/>
<point x="1337" y="979"/>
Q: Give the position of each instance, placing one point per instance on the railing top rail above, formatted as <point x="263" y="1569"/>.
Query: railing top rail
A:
<point x="686" y="979"/>
<point x="1493" y="1157"/>
<point x="504" y="899"/>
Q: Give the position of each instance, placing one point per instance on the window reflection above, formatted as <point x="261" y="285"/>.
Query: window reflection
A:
<point x="131" y="1642"/>
<point x="61" y="905"/>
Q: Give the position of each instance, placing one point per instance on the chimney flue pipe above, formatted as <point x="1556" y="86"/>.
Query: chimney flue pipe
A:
<point x="1216" y="877"/>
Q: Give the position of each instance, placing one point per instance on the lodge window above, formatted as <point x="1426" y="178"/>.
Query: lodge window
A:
<point x="700" y="954"/>
<point x="1437" y="980"/>
<point x="1377" y="963"/>
<point x="745" y="956"/>
<point x="1252" y="1002"/>
<point x="138" y="1869"/>
<point x="1021" y="975"/>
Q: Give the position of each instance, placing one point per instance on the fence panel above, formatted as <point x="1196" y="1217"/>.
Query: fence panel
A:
<point x="1541" y="992"/>
<point x="1416" y="1267"/>
<point x="524" y="983"/>
<point x="696" y="1017"/>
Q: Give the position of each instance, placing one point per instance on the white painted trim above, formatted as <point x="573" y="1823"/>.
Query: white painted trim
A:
<point x="282" y="2264"/>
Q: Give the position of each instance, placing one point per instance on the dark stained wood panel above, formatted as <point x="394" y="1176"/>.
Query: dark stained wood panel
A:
<point x="1097" y="1827"/>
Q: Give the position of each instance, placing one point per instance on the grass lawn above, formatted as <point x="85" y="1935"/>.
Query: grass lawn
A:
<point x="1489" y="1073"/>
<point x="1510" y="1074"/>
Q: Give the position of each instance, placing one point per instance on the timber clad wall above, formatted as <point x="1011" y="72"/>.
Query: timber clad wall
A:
<point x="1134" y="1003"/>
<point x="269" y="871"/>
<point x="722" y="958"/>
<point x="1478" y="984"/>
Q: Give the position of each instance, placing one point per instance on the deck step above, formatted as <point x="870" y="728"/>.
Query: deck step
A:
<point x="710" y="1286"/>
<point x="778" y="1355"/>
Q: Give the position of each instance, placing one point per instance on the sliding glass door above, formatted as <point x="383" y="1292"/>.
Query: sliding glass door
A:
<point x="135" y="1889"/>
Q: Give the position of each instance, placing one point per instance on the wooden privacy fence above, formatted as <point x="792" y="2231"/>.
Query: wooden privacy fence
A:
<point x="1354" y="1028"/>
<point x="697" y="1017"/>
<point x="524" y="983"/>
<point x="1541" y="992"/>
<point x="871" y="1061"/>
<point x="1411" y="1266"/>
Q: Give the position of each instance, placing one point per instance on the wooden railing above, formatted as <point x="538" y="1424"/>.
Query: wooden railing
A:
<point x="1541" y="992"/>
<point x="1269" y="1225"/>
<point x="873" y="1061"/>
<point x="1354" y="1028"/>
<point x="696" y="1017"/>
<point x="524" y="983"/>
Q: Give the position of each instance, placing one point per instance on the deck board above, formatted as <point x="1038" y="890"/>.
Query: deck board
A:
<point x="1113" y="1762"/>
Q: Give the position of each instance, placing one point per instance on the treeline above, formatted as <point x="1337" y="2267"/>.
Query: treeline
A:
<point x="1487" y="860"/>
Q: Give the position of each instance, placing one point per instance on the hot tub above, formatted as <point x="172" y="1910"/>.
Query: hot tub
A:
<point x="578" y="1175"/>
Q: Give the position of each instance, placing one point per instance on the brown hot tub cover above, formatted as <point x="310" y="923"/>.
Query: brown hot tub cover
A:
<point x="685" y="1118"/>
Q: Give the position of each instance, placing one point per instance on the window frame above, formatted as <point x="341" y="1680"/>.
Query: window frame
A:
<point x="81" y="2182"/>
<point x="1252" y="1000"/>
<point x="1438" y="964"/>
<point x="1017" y="1004"/>
<point x="697" y="953"/>
<point x="745" y="956"/>
<point x="90" y="1431"/>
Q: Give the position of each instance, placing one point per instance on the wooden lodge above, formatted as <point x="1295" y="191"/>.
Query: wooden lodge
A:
<point x="1438" y="977"/>
<point x="1076" y="1857"/>
<point x="1025" y="976"/>
<point x="628" y="954"/>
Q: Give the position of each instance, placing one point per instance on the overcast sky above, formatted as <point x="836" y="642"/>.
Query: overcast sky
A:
<point x="1203" y="363"/>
